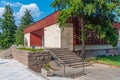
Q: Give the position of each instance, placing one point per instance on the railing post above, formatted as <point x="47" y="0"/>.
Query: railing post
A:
<point x="64" y="69"/>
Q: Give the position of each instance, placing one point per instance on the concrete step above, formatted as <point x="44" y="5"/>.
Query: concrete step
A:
<point x="77" y="63"/>
<point x="72" y="61"/>
<point x="79" y="66"/>
<point x="68" y="57"/>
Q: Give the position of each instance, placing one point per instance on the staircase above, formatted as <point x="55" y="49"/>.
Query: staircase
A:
<point x="67" y="57"/>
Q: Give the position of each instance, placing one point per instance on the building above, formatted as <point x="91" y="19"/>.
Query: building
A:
<point x="47" y="32"/>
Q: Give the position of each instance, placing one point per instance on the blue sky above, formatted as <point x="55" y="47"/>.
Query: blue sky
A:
<point x="39" y="8"/>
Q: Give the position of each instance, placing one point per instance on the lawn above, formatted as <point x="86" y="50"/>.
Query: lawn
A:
<point x="109" y="60"/>
<point x="31" y="49"/>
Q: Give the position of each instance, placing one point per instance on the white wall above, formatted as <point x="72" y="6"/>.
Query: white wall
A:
<point x="27" y="39"/>
<point x="52" y="36"/>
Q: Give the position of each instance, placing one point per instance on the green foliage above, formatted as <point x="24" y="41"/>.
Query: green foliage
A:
<point x="47" y="66"/>
<point x="96" y="14"/>
<point x="26" y="20"/>
<point x="30" y="49"/>
<point x="19" y="37"/>
<point x="8" y="28"/>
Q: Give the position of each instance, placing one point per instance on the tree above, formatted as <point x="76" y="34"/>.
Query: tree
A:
<point x="92" y="15"/>
<point x="26" y="20"/>
<point x="8" y="28"/>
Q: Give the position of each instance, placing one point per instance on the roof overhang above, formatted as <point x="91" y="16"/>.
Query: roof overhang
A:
<point x="47" y="21"/>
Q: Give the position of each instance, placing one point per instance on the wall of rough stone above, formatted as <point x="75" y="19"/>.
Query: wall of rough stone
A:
<point x="38" y="60"/>
<point x="34" y="61"/>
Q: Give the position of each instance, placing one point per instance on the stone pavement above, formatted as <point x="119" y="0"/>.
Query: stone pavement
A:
<point x="101" y="72"/>
<point x="11" y="69"/>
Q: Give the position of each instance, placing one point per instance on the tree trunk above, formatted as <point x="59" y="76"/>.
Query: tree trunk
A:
<point x="82" y="40"/>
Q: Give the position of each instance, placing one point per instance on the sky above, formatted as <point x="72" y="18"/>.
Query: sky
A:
<point x="38" y="8"/>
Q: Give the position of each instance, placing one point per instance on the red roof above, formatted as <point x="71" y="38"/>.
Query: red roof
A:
<point x="47" y="21"/>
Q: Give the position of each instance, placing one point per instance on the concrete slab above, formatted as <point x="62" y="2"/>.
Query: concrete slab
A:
<point x="101" y="72"/>
<point x="10" y="69"/>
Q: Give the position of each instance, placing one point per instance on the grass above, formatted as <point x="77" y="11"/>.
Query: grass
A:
<point x="109" y="60"/>
<point x="47" y="66"/>
<point x="31" y="49"/>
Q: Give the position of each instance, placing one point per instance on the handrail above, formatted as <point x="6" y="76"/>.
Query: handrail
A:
<point x="56" y="58"/>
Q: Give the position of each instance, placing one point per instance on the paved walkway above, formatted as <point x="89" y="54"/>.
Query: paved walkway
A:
<point x="10" y="69"/>
<point x="101" y="72"/>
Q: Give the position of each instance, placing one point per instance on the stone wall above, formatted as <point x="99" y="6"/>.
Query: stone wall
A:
<point x="67" y="37"/>
<point x="38" y="60"/>
<point x="34" y="61"/>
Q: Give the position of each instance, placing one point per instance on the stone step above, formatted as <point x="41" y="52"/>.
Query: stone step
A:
<point x="70" y="62"/>
<point x="64" y="57"/>
<point x="77" y="63"/>
<point x="68" y="57"/>
<point x="79" y="66"/>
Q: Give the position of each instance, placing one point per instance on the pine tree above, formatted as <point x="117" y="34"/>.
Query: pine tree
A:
<point x="8" y="28"/>
<point x="26" y="20"/>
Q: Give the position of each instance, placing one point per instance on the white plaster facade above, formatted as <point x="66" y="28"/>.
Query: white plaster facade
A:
<point x="55" y="37"/>
<point x="52" y="36"/>
<point x="27" y="39"/>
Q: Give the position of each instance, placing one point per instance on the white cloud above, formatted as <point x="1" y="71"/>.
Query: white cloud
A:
<point x="16" y="4"/>
<point x="34" y="10"/>
<point x="2" y="9"/>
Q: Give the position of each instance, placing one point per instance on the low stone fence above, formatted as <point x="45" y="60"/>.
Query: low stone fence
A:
<point x="34" y="60"/>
